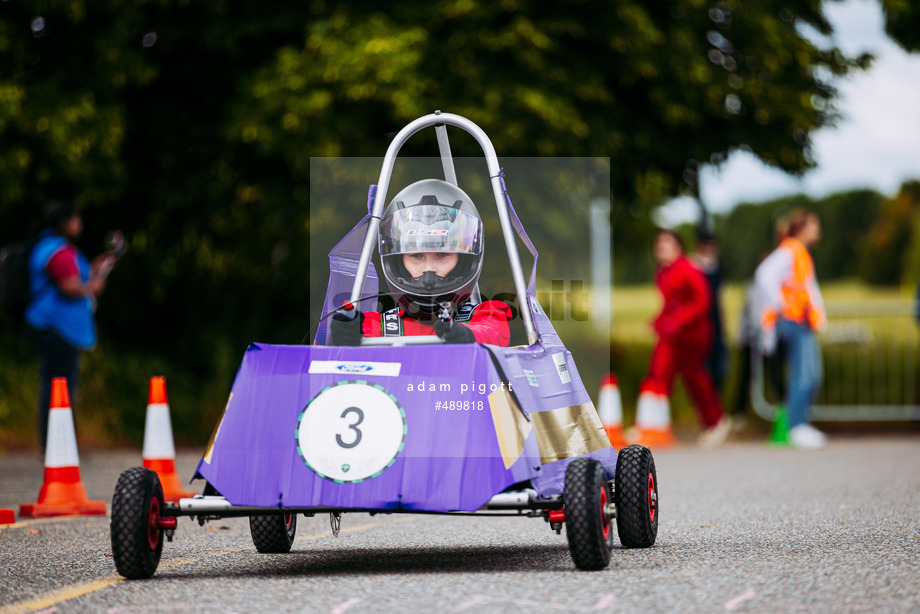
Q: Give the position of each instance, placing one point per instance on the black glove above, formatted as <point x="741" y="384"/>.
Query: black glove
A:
<point x="456" y="333"/>
<point x="346" y="330"/>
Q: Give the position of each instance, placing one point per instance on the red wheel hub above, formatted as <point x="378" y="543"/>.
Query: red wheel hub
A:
<point x="288" y="519"/>
<point x="652" y="498"/>
<point x="605" y="519"/>
<point x="153" y="524"/>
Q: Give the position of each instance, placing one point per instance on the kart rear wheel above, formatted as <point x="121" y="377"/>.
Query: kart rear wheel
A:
<point x="587" y="522"/>
<point x="273" y="533"/>
<point x="137" y="539"/>
<point x="636" y="495"/>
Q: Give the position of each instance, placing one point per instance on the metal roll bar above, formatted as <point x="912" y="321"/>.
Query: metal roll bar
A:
<point x="383" y="183"/>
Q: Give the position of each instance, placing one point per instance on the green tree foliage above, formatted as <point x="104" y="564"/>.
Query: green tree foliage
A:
<point x="191" y="125"/>
<point x="886" y="257"/>
<point x="912" y="259"/>
<point x="902" y="22"/>
<point x="658" y="87"/>
<point x="64" y="70"/>
<point x="844" y="219"/>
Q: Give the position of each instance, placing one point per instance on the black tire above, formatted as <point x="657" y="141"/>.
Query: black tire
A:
<point x="136" y="508"/>
<point x="636" y="496"/>
<point x="587" y="524"/>
<point x="274" y="533"/>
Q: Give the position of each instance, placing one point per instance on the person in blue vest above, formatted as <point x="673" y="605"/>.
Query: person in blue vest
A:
<point x="60" y="316"/>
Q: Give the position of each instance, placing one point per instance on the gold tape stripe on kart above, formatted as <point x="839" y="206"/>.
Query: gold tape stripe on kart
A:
<point x="511" y="427"/>
<point x="210" y="449"/>
<point x="568" y="431"/>
<point x="561" y="433"/>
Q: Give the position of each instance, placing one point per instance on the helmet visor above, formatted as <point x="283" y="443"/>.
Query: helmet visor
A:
<point x="430" y="228"/>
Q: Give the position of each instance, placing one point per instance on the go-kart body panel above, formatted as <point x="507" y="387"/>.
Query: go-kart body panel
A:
<point x="282" y="439"/>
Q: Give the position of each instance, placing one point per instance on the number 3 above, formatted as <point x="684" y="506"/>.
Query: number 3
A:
<point x="354" y="427"/>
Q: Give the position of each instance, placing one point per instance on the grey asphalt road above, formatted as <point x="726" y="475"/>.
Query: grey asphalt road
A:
<point x="744" y="528"/>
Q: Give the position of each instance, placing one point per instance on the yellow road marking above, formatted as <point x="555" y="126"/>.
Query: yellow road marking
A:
<point x="78" y="590"/>
<point x="59" y="595"/>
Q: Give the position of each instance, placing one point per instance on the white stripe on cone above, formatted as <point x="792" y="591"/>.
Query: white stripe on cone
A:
<point x="611" y="405"/>
<point x="158" y="439"/>
<point x="653" y="411"/>
<point x="61" y="446"/>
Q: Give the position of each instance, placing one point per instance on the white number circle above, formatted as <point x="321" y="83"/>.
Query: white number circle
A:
<point x="351" y="431"/>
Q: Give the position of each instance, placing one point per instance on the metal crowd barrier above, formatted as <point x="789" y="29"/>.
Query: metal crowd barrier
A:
<point x="871" y="356"/>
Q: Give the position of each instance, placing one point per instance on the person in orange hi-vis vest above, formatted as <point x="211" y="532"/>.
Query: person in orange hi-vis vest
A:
<point x="684" y="337"/>
<point x="793" y="313"/>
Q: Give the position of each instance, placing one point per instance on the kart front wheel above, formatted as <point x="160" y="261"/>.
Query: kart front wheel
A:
<point x="587" y="520"/>
<point x="636" y="495"/>
<point x="274" y="533"/>
<point x="136" y="533"/>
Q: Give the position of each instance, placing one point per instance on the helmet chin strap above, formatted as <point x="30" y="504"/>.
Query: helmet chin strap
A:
<point x="429" y="279"/>
<point x="426" y="281"/>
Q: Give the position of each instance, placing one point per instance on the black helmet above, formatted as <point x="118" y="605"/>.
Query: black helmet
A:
<point x="431" y="216"/>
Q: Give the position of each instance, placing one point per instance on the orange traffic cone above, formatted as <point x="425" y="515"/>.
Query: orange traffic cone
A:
<point x="610" y="408"/>
<point x="62" y="493"/>
<point x="7" y="516"/>
<point x="159" y="452"/>
<point x="652" y="428"/>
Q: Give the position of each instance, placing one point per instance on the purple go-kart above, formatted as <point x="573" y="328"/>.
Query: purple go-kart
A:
<point x="406" y="424"/>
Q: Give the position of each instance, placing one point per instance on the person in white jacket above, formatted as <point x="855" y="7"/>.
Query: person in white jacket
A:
<point x="794" y="312"/>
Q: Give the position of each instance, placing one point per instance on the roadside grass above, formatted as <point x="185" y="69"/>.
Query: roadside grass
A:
<point x="634" y="307"/>
<point x="110" y="407"/>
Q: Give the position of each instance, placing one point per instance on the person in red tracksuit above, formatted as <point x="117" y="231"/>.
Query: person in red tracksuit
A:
<point x="685" y="336"/>
<point x="431" y="251"/>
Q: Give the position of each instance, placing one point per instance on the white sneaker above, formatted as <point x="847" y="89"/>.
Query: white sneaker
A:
<point x="807" y="437"/>
<point x="714" y="436"/>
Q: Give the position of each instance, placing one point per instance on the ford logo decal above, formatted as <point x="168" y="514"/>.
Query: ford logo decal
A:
<point x="352" y="368"/>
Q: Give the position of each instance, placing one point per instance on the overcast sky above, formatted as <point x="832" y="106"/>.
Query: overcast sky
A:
<point x="876" y="145"/>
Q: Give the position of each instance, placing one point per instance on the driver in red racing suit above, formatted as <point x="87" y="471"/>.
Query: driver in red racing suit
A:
<point x="432" y="257"/>
<point x="487" y="323"/>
